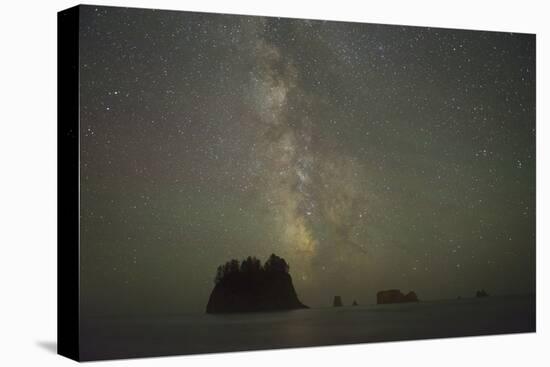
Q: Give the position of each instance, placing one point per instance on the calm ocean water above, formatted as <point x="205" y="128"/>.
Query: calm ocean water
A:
<point x="105" y="338"/>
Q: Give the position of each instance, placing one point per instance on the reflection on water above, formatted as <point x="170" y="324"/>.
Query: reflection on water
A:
<point x="201" y="333"/>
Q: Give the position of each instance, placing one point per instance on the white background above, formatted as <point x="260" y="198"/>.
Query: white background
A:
<point x="28" y="183"/>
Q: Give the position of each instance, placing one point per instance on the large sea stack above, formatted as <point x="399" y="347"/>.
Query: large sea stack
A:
<point x="248" y="286"/>
<point x="395" y="296"/>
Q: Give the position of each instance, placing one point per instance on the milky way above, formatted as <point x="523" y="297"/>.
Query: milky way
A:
<point x="368" y="156"/>
<point x="302" y="184"/>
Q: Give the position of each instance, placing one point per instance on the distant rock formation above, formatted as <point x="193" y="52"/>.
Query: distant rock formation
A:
<point x="248" y="286"/>
<point x="337" y="301"/>
<point x="395" y="296"/>
<point x="481" y="294"/>
<point x="411" y="297"/>
<point x="354" y="303"/>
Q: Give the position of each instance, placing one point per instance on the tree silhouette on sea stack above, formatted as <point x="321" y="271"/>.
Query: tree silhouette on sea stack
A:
<point x="249" y="286"/>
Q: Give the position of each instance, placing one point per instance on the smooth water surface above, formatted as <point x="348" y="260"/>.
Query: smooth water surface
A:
<point x="123" y="337"/>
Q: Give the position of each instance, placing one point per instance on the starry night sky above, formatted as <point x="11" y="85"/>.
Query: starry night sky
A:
<point x="368" y="156"/>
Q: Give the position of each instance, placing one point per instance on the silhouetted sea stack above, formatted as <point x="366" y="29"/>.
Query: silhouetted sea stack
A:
<point x="337" y="301"/>
<point x="250" y="287"/>
<point x="395" y="296"/>
<point x="481" y="294"/>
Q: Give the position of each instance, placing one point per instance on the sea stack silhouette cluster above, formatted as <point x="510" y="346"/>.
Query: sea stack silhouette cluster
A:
<point x="395" y="296"/>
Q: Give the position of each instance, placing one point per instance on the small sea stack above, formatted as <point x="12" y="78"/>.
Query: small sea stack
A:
<point x="481" y="294"/>
<point x="395" y="296"/>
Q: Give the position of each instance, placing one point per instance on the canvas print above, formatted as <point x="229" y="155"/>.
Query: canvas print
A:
<point x="250" y="182"/>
